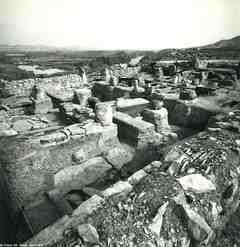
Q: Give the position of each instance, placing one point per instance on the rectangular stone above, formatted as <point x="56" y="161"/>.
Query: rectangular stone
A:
<point x="137" y="176"/>
<point x="132" y="107"/>
<point x="118" y="191"/>
<point x="88" y="207"/>
<point x="132" y="129"/>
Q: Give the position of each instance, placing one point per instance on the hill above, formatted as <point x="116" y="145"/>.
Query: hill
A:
<point x="233" y="43"/>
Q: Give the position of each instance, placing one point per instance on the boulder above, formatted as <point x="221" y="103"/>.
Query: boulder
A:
<point x="196" y="183"/>
<point x="118" y="157"/>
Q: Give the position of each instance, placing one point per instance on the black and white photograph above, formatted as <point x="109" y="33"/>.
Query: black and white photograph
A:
<point x="119" y="123"/>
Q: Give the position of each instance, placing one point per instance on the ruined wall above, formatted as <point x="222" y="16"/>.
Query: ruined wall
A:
<point x="29" y="163"/>
<point x="105" y="91"/>
<point x="24" y="87"/>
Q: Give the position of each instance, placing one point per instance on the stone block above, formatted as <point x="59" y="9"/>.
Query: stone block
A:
<point x="132" y="107"/>
<point x="155" y="164"/>
<point x="42" y="107"/>
<point x="118" y="157"/>
<point x="88" y="207"/>
<point x="22" y="125"/>
<point x="118" y="191"/>
<point x="78" y="176"/>
<point x="104" y="113"/>
<point x="157" y="117"/>
<point x="81" y="96"/>
<point x="88" y="233"/>
<point x="136" y="131"/>
<point x="136" y="177"/>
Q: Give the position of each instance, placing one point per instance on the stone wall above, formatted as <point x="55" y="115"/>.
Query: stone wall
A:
<point x="30" y="163"/>
<point x="24" y="87"/>
<point x="104" y="91"/>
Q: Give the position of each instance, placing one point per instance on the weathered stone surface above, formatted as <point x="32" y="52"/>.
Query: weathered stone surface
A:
<point x="8" y="132"/>
<point x="42" y="107"/>
<point x="154" y="165"/>
<point x="159" y="118"/>
<point x="88" y="207"/>
<point x="156" y="224"/>
<point x="104" y="113"/>
<point x="118" y="157"/>
<point x="136" y="177"/>
<point x="79" y="176"/>
<point x="61" y="204"/>
<point x="190" y="115"/>
<point x="118" y="191"/>
<point x="196" y="183"/>
<point x="138" y="132"/>
<point x="24" y="87"/>
<point x="79" y="157"/>
<point x="5" y="130"/>
<point x="88" y="233"/>
<point x="81" y="96"/>
<point x="30" y="163"/>
<point x="197" y="225"/>
<point x="22" y="125"/>
<point x="132" y="107"/>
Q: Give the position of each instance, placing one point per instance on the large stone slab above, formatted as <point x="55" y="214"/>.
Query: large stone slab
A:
<point x="78" y="176"/>
<point x="132" y="107"/>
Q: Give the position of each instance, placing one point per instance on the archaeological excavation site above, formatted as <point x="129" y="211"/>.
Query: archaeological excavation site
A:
<point x="137" y="155"/>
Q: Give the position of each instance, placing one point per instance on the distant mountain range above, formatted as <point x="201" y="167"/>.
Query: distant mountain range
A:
<point x="233" y="43"/>
<point x="26" y="48"/>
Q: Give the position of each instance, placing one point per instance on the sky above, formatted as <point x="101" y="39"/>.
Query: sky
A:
<point x="118" y="24"/>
